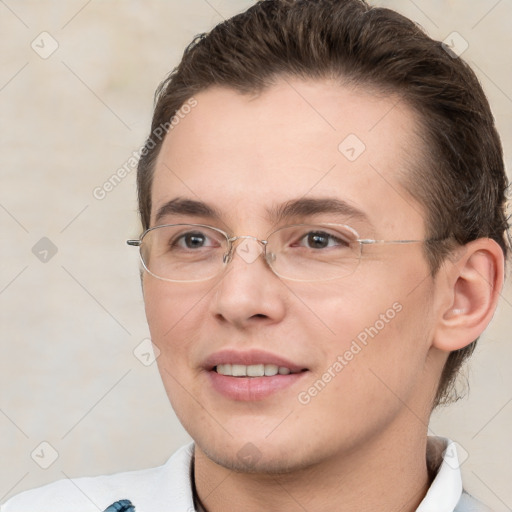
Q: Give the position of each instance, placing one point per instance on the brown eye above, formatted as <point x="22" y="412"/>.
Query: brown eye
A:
<point x="321" y="240"/>
<point x="193" y="240"/>
<point x="317" y="240"/>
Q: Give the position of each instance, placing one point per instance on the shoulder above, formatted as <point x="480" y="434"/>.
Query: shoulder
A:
<point x="469" y="504"/>
<point x="145" y="488"/>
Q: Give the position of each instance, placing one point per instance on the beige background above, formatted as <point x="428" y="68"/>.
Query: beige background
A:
<point x="69" y="326"/>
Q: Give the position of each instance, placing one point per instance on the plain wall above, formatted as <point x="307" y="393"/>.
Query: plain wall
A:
<point x="70" y="325"/>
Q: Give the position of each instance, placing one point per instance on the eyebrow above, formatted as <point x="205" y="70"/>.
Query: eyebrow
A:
<point x="181" y="206"/>
<point x="302" y="207"/>
<point x="306" y="207"/>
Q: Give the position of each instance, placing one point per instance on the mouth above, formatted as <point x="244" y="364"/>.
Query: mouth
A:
<point x="252" y="375"/>
<point x="253" y="370"/>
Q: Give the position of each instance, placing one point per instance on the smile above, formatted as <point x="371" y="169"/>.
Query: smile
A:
<point x="252" y="375"/>
<point x="253" y="370"/>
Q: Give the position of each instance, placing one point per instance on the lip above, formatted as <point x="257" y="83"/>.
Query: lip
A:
<point x="251" y="388"/>
<point x="250" y="357"/>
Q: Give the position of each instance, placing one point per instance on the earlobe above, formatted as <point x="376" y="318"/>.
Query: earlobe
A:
<point x="472" y="289"/>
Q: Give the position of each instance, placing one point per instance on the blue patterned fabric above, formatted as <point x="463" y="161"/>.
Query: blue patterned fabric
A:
<point x="121" y="506"/>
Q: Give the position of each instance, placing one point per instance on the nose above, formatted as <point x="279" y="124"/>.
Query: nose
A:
<point x="248" y="293"/>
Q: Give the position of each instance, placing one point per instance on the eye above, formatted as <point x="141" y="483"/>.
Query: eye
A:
<point x="192" y="240"/>
<point x="321" y="240"/>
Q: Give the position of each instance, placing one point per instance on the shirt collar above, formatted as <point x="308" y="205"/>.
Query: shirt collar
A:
<point x="446" y="489"/>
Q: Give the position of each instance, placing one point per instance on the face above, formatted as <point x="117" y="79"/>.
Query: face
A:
<point x="357" y="347"/>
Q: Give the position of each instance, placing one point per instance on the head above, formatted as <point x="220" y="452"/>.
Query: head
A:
<point x="271" y="97"/>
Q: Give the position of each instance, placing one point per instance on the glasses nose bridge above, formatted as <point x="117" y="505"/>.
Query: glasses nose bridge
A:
<point x="233" y="242"/>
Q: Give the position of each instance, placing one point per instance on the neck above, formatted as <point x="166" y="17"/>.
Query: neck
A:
<point x="386" y="473"/>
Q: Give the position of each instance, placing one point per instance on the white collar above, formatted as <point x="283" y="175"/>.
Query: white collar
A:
<point x="171" y="485"/>
<point x="446" y="489"/>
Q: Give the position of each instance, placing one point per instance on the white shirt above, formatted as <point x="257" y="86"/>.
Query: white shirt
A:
<point x="169" y="488"/>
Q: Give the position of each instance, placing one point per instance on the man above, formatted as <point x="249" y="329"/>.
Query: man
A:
<point x="324" y="242"/>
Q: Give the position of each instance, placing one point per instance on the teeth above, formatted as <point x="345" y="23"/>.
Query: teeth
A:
<point x="271" y="369"/>
<point x="256" y="370"/>
<point x="252" y="370"/>
<point x="238" y="370"/>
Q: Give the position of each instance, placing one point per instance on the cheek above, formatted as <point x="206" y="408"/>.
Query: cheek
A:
<point x="381" y="328"/>
<point x="174" y="315"/>
<point x="372" y="364"/>
<point x="168" y="305"/>
<point x="340" y="313"/>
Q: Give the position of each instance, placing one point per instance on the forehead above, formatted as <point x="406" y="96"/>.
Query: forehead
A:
<point x="247" y="155"/>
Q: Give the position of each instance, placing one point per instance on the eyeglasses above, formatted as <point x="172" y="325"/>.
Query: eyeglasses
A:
<point x="301" y="252"/>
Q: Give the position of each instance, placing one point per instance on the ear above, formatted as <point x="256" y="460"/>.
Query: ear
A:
<point x="470" y="290"/>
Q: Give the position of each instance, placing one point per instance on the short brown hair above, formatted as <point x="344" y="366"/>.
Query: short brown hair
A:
<point x="460" y="181"/>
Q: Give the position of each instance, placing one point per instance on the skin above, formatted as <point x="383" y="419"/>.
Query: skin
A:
<point x="366" y="430"/>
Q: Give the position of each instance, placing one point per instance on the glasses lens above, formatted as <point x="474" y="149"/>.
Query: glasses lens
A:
<point x="313" y="252"/>
<point x="183" y="252"/>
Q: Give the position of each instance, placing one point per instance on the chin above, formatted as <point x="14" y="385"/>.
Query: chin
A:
<point x="247" y="457"/>
<point x="260" y="453"/>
